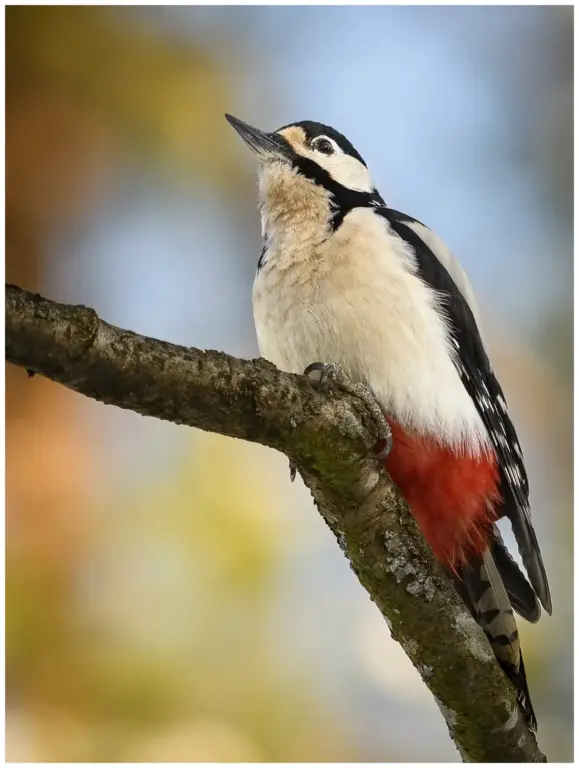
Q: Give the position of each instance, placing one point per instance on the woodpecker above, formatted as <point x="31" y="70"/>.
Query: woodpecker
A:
<point x="344" y="278"/>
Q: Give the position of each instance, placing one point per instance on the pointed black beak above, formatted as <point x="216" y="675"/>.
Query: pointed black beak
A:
<point x="264" y="144"/>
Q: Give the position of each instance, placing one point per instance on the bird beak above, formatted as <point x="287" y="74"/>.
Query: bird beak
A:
<point x="268" y="146"/>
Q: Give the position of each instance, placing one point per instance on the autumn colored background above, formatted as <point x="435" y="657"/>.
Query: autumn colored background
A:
<point x="170" y="596"/>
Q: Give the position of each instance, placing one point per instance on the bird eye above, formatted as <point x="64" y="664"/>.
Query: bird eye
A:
<point x="323" y="145"/>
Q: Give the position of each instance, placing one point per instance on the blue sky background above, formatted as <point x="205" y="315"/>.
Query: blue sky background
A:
<point x="422" y="94"/>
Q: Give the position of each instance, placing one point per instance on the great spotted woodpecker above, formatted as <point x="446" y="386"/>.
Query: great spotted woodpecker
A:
<point x="343" y="277"/>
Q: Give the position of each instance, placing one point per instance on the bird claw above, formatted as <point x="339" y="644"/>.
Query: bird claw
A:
<point x="323" y="374"/>
<point x="332" y="374"/>
<point x="293" y="471"/>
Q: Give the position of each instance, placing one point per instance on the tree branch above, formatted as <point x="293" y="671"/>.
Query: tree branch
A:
<point x="329" y="438"/>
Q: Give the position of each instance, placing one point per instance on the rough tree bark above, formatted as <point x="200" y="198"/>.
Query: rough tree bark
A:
<point x="329" y="438"/>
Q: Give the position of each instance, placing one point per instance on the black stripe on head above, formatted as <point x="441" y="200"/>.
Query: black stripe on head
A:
<point x="343" y="199"/>
<point x="313" y="129"/>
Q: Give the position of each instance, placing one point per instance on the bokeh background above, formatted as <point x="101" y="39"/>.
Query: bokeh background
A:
<point x="170" y="596"/>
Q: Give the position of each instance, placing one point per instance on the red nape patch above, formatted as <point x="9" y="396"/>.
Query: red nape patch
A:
<point x="452" y="497"/>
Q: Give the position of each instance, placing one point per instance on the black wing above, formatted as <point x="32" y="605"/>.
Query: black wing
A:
<point x="482" y="385"/>
<point x="519" y="591"/>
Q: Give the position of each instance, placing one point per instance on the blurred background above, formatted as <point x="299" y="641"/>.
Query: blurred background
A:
<point x="170" y="596"/>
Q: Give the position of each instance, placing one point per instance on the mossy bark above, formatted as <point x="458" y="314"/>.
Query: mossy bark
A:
<point x="329" y="439"/>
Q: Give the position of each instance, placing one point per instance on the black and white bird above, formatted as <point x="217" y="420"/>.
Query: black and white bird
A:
<point x="345" y="278"/>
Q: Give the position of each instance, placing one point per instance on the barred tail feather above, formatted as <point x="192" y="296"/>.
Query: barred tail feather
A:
<point x="520" y="593"/>
<point x="484" y="592"/>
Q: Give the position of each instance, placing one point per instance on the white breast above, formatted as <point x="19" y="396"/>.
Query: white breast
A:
<point x="357" y="300"/>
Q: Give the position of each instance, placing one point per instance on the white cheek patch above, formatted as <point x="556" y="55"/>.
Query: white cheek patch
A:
<point x="346" y="170"/>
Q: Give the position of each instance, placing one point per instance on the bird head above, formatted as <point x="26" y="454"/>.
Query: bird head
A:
<point x="308" y="169"/>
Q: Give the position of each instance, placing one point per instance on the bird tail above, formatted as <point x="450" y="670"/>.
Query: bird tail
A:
<point x="483" y="590"/>
<point x="520" y="593"/>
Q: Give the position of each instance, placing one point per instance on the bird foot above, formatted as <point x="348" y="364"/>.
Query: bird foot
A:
<point x="293" y="471"/>
<point x="332" y="374"/>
